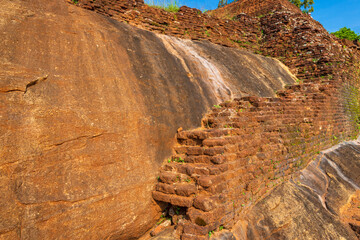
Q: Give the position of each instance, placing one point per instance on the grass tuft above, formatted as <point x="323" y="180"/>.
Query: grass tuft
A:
<point x="167" y="5"/>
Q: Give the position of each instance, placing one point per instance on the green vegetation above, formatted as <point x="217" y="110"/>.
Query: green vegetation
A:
<point x="305" y="5"/>
<point x="315" y="60"/>
<point x="217" y="106"/>
<point x="177" y="210"/>
<point x="346" y="33"/>
<point x="299" y="81"/>
<point x="167" y="5"/>
<point x="162" y="219"/>
<point x="222" y="3"/>
<point x="179" y="160"/>
<point x="75" y="1"/>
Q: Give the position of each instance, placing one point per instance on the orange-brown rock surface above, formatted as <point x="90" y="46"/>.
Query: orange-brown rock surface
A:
<point x="89" y="108"/>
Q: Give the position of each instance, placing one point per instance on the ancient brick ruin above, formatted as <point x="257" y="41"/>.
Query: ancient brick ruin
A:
<point x="247" y="146"/>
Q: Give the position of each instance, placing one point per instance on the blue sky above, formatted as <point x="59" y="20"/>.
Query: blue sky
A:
<point x="332" y="14"/>
<point x="337" y="14"/>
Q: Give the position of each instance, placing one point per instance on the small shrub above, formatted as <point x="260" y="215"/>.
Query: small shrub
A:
<point x="346" y="33"/>
<point x="179" y="160"/>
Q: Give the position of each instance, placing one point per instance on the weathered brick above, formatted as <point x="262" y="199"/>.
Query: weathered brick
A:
<point x="198" y="159"/>
<point x="219" y="132"/>
<point x="198" y="134"/>
<point x="201" y="171"/>
<point x="182" y="135"/>
<point x="189" y="236"/>
<point x="185" y="189"/>
<point x="195" y="151"/>
<point x="180" y="150"/>
<point x="212" y="142"/>
<point x="165" y="188"/>
<point x="214" y="151"/>
<point x="194" y="229"/>
<point x="181" y="201"/>
<point x="231" y="148"/>
<point x="205" y="204"/>
<point x="168" y="177"/>
<point x="162" y="197"/>
<point x="219" y="188"/>
<point x="213" y="170"/>
<point x="205" y="218"/>
<point x="218" y="159"/>
<point x="207" y="181"/>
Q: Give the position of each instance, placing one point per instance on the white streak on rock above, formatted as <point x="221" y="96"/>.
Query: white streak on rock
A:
<point x="214" y="78"/>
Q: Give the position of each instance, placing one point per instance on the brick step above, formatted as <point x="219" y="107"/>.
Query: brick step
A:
<point x="214" y="155"/>
<point x="173" y="199"/>
<point x="187" y="172"/>
<point x="192" y="180"/>
<point x="187" y="186"/>
<point x="179" y="188"/>
<point x="184" y="196"/>
<point x="196" y="138"/>
<point x="202" y="134"/>
<point x="188" y="151"/>
<point x="230" y="122"/>
<point x="232" y="135"/>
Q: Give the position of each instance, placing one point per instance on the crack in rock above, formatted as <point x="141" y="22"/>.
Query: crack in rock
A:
<point x="12" y="90"/>
<point x="33" y="83"/>
<point x="30" y="84"/>
<point x="78" y="138"/>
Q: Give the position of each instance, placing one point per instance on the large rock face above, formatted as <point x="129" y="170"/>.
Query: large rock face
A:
<point x="89" y="108"/>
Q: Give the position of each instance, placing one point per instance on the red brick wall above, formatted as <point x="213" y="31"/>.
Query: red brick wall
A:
<point x="248" y="146"/>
